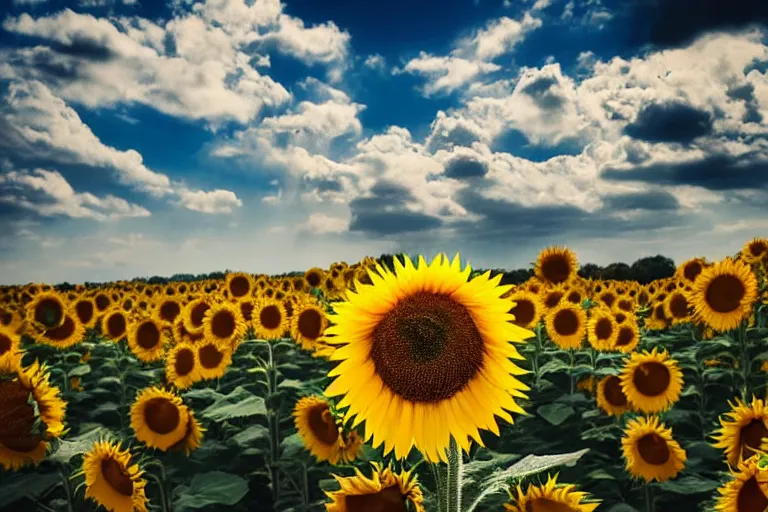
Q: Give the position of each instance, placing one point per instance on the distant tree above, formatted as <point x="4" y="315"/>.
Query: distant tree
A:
<point x="590" y="271"/>
<point x="217" y="275"/>
<point x="617" y="272"/>
<point x="181" y="277"/>
<point x="518" y="276"/>
<point x="650" y="268"/>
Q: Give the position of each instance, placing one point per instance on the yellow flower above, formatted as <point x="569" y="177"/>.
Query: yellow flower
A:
<point x="111" y="480"/>
<point x="724" y="293"/>
<point x="742" y="430"/>
<point x="378" y="493"/>
<point x="552" y="496"/>
<point x="650" y="451"/>
<point x="652" y="381"/>
<point x="322" y="434"/>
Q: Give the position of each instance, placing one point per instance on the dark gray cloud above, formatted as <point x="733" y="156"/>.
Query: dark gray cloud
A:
<point x="384" y="212"/>
<point x="653" y="200"/>
<point x="465" y="167"/>
<point x="675" y="23"/>
<point x="542" y="93"/>
<point x="83" y="47"/>
<point x="746" y="93"/>
<point x="670" y="122"/>
<point x="714" y="172"/>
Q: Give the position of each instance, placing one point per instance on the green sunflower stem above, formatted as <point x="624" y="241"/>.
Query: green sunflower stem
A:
<point x="67" y="490"/>
<point x="648" y="498"/>
<point x="745" y="363"/>
<point x="164" y="505"/>
<point x="274" y="424"/>
<point x="571" y="364"/>
<point x="453" y="480"/>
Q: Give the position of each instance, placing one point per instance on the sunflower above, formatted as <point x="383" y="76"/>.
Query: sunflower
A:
<point x="239" y="285"/>
<point x="755" y="250"/>
<point x="314" y="277"/>
<point x="246" y="309"/>
<point x="552" y="295"/>
<point x="742" y="430"/>
<point x="556" y="265"/>
<point x="628" y="335"/>
<point x="550" y="496"/>
<point x="747" y="492"/>
<point x="723" y="294"/>
<point x="193" y="437"/>
<point x="223" y="323"/>
<point x="111" y="480"/>
<point x="428" y="347"/>
<point x="64" y="336"/>
<point x="32" y="413"/>
<point x="46" y="311"/>
<point x="168" y="308"/>
<point x="526" y="309"/>
<point x="610" y="396"/>
<point x="85" y="310"/>
<point x="102" y="301"/>
<point x="147" y="339"/>
<point x="602" y="329"/>
<point x="182" y="368"/>
<point x="308" y="325"/>
<point x="385" y="490"/>
<point x="214" y="359"/>
<point x="658" y="320"/>
<point x="322" y="433"/>
<point x="650" y="451"/>
<point x="690" y="270"/>
<point x="159" y="418"/>
<point x="677" y="308"/>
<point x="114" y="324"/>
<point x="566" y="325"/>
<point x="652" y="381"/>
<point x="270" y="320"/>
<point x="10" y="351"/>
<point x="194" y="314"/>
<point x="608" y="297"/>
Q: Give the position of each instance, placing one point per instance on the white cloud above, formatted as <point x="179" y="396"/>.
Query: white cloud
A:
<point x="375" y="61"/>
<point x="320" y="224"/>
<point x="213" y="202"/>
<point x="499" y="37"/>
<point x="447" y="74"/>
<point x="49" y="194"/>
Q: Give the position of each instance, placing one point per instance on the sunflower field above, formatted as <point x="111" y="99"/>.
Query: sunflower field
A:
<point x="420" y="386"/>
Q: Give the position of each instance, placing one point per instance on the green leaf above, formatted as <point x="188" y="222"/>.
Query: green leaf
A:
<point x="240" y="403"/>
<point x="291" y="446"/>
<point x="108" y="381"/>
<point x="292" y="384"/>
<point x="691" y="484"/>
<point x="554" y="366"/>
<point x="600" y="474"/>
<point x="69" y="448"/>
<point x="622" y="507"/>
<point x="328" y="484"/>
<point x="555" y="413"/>
<point x="251" y="435"/>
<point x="104" y="408"/>
<point x="214" y="488"/>
<point x="17" y="487"/>
<point x="79" y="371"/>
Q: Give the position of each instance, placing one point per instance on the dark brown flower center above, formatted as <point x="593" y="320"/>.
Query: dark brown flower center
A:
<point x="62" y="332"/>
<point x="161" y="415"/>
<point x="603" y="328"/>
<point x="49" y="313"/>
<point x="322" y="424"/>
<point x="85" y="311"/>
<point x="102" y="301"/>
<point x="574" y="297"/>
<point x="626" y="336"/>
<point x="246" y="309"/>
<point x="427" y="348"/>
<point x="547" y="505"/>
<point x="239" y="286"/>
<point x="653" y="449"/>
<point x="751" y="498"/>
<point x="197" y="314"/>
<point x="651" y="378"/>
<point x="310" y="324"/>
<point x="724" y="293"/>
<point x="210" y="356"/>
<point x="116" y="326"/>
<point x="556" y="268"/>
<point x="223" y="324"/>
<point x="5" y="343"/>
<point x="185" y="362"/>
<point x="758" y="248"/>
<point x="678" y="306"/>
<point x="389" y="499"/>
<point x="566" y="322"/>
<point x="614" y="395"/>
<point x="148" y="335"/>
<point x="692" y="270"/>
<point x="608" y="298"/>
<point x="524" y="312"/>
<point x="750" y="436"/>
<point x="314" y="279"/>
<point x="270" y="316"/>
<point x="116" y="476"/>
<point x="553" y="299"/>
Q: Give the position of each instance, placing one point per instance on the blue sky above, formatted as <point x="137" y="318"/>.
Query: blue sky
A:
<point x="150" y="138"/>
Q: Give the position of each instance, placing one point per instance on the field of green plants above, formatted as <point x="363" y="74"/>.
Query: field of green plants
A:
<point x="422" y="386"/>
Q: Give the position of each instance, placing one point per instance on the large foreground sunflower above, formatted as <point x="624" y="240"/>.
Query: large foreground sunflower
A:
<point x="384" y="491"/>
<point x="724" y="293"/>
<point x="652" y="381"/>
<point x="322" y="435"/>
<point x="650" y="451"/>
<point x="428" y="347"/>
<point x="111" y="480"/>
<point x="550" y="496"/>
<point x="747" y="492"/>
<point x="159" y="418"/>
<point x="742" y="430"/>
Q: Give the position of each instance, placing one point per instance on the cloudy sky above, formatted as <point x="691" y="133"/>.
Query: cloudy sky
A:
<point x="142" y="137"/>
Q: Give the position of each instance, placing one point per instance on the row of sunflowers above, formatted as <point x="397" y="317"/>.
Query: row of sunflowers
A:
<point x="361" y="387"/>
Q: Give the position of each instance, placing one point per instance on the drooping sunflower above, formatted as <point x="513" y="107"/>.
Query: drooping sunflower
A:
<point x="193" y="437"/>
<point x="746" y="492"/>
<point x="111" y="480"/>
<point x="610" y="396"/>
<point x="223" y="323"/>
<point x="270" y="320"/>
<point x="677" y="308"/>
<point x="432" y="349"/>
<point x="314" y="277"/>
<point x="566" y="325"/>
<point x="182" y="368"/>
<point x="322" y="434"/>
<point x="724" y="293"/>
<point x="526" y="309"/>
<point x="308" y="325"/>
<point x="239" y="285"/>
<point x="69" y="333"/>
<point x="556" y="265"/>
<point x="159" y="418"/>
<point x="652" y="381"/>
<point x="46" y="311"/>
<point x="602" y="329"/>
<point x="31" y="414"/>
<point x="742" y="430"/>
<point x="147" y="339"/>
<point x="551" y="496"/>
<point x="385" y="490"/>
<point x="214" y="359"/>
<point x="755" y="250"/>
<point x="628" y="335"/>
<point x="650" y="451"/>
<point x="114" y="324"/>
<point x="194" y="314"/>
